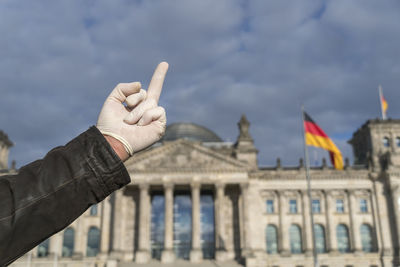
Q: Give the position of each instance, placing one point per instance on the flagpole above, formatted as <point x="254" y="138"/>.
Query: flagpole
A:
<point x="380" y="100"/>
<point x="315" y="255"/>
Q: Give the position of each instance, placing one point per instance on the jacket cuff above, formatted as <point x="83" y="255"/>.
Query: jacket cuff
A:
<point x="109" y="170"/>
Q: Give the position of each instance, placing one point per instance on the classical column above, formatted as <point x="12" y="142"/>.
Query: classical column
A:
<point x="247" y="249"/>
<point x="330" y="223"/>
<point x="382" y="215"/>
<point x="354" y="225"/>
<point x="396" y="207"/>
<point x="80" y="239"/>
<point x="283" y="239"/>
<point x="308" y="242"/>
<point x="119" y="220"/>
<point x="196" y="254"/>
<point x="105" y="227"/>
<point x="219" y="223"/>
<point x="55" y="246"/>
<point x="168" y="254"/>
<point x="143" y="253"/>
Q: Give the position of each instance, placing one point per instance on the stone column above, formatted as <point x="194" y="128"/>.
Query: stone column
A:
<point x="80" y="239"/>
<point x="396" y="207"/>
<point x="34" y="252"/>
<point x="354" y="225"/>
<point x="219" y="223"/>
<point x="143" y="253"/>
<point x="105" y="227"/>
<point x="196" y="254"/>
<point x="168" y="254"/>
<point x="330" y="223"/>
<point x="248" y="249"/>
<point x="119" y="220"/>
<point x="55" y="246"/>
<point x="308" y="242"/>
<point x="383" y="218"/>
<point x="283" y="239"/>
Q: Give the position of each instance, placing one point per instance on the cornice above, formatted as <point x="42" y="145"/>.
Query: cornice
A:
<point x="315" y="175"/>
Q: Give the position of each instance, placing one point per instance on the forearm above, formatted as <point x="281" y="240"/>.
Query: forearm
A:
<point x="118" y="147"/>
<point x="47" y="195"/>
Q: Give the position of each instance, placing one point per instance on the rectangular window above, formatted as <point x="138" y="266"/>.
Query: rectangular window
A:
<point x="363" y="205"/>
<point x="316" y="206"/>
<point x="270" y="206"/>
<point x="293" y="206"/>
<point x="339" y="206"/>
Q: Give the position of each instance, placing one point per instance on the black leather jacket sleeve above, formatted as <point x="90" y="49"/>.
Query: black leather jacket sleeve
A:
<point x="49" y="194"/>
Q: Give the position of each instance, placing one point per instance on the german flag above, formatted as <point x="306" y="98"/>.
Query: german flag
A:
<point x="315" y="136"/>
<point x="384" y="104"/>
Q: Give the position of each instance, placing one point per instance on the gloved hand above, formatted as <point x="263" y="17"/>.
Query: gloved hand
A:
<point x="132" y="116"/>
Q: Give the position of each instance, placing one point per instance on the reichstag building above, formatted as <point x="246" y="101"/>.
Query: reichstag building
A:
<point x="196" y="200"/>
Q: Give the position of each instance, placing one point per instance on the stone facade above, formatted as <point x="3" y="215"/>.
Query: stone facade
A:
<point x="357" y="210"/>
<point x="5" y="145"/>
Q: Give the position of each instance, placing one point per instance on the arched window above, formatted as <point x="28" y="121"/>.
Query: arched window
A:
<point x="319" y="233"/>
<point x="272" y="239"/>
<point x="68" y="242"/>
<point x="342" y="236"/>
<point x="43" y="249"/>
<point x="295" y="239"/>
<point x="367" y="239"/>
<point x="386" y="142"/>
<point x="93" y="210"/>
<point x="93" y="242"/>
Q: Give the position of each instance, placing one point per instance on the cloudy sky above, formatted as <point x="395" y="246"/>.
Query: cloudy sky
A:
<point x="60" y="59"/>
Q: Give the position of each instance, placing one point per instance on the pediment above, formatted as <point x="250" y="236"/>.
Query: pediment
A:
<point x="183" y="156"/>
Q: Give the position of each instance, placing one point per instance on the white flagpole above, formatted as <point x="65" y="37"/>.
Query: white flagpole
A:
<point x="315" y="255"/>
<point x="380" y="100"/>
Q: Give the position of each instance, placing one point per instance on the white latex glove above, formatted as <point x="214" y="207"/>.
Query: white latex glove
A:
<point x="141" y="122"/>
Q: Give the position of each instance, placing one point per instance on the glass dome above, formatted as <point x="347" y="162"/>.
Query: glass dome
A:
<point x="189" y="131"/>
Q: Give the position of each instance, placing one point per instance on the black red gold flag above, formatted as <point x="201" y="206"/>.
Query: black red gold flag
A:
<point x="315" y="136"/>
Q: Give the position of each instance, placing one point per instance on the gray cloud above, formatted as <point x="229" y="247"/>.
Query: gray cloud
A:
<point x="59" y="60"/>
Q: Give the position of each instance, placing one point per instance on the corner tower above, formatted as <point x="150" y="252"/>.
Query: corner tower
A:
<point x="244" y="148"/>
<point x="376" y="144"/>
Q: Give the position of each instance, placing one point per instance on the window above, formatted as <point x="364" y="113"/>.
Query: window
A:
<point x="386" y="142"/>
<point x="398" y="141"/>
<point x="157" y="225"/>
<point x="93" y="210"/>
<point x="43" y="249"/>
<point x="339" y="206"/>
<point x="68" y="242"/>
<point x="93" y="242"/>
<point x="316" y="206"/>
<point x="367" y="240"/>
<point x="363" y="205"/>
<point x="319" y="233"/>
<point x="272" y="239"/>
<point x="295" y="239"/>
<point x="270" y="206"/>
<point x="342" y="236"/>
<point x="293" y="206"/>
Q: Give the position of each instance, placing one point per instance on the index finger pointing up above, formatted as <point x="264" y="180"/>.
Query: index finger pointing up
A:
<point x="156" y="83"/>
